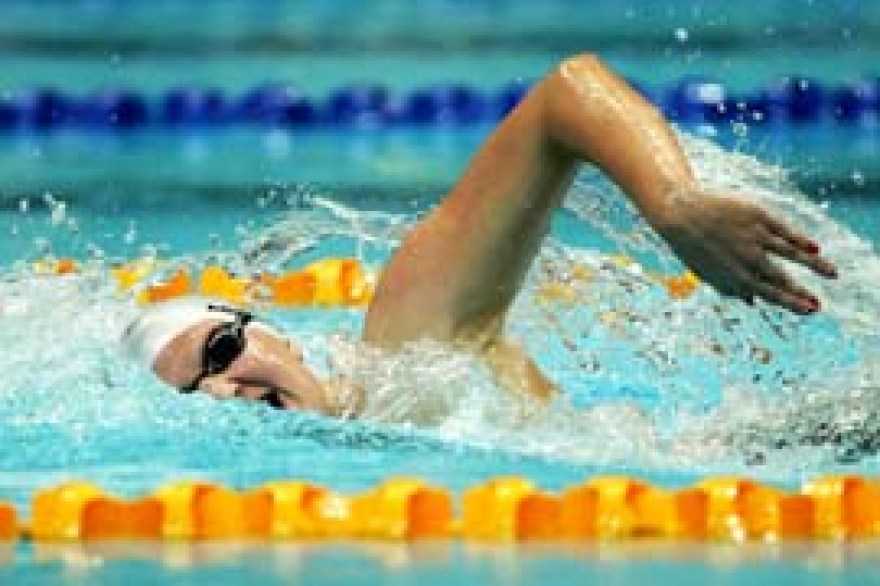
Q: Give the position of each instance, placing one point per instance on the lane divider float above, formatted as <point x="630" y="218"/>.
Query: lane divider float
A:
<point x="330" y="282"/>
<point x="787" y="100"/>
<point x="501" y="510"/>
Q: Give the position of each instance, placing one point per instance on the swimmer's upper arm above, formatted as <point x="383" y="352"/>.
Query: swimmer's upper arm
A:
<point x="456" y="272"/>
<point x="459" y="269"/>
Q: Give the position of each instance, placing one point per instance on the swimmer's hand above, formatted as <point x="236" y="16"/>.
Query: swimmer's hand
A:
<point x="728" y="243"/>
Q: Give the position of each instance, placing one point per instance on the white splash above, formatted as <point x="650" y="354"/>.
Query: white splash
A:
<point x="695" y="385"/>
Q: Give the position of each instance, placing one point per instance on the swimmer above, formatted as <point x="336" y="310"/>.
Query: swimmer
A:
<point x="456" y="273"/>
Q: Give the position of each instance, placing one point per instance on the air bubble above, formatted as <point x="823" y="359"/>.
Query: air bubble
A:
<point x="59" y="213"/>
<point x="682" y="35"/>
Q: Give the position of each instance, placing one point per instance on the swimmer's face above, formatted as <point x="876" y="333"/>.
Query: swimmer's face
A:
<point x="270" y="369"/>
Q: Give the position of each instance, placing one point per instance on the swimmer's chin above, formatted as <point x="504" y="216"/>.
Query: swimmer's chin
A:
<point x="342" y="400"/>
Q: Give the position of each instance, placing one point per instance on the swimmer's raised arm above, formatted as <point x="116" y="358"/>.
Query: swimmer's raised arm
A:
<point x="456" y="273"/>
<point x="458" y="270"/>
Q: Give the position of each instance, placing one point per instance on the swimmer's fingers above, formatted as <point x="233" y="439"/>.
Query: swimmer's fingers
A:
<point x="785" y="231"/>
<point x="775" y="286"/>
<point x="814" y="262"/>
<point x="786" y="242"/>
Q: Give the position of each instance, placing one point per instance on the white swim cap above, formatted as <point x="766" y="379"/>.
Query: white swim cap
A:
<point x="148" y="334"/>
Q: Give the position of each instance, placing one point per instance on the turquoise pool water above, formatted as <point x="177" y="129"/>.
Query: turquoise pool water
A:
<point x="71" y="408"/>
<point x="434" y="565"/>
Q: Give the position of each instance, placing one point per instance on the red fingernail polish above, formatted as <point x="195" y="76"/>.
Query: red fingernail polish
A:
<point x="813" y="248"/>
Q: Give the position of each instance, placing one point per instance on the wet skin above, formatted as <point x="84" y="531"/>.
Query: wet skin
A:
<point x="457" y="272"/>
<point x="270" y="369"/>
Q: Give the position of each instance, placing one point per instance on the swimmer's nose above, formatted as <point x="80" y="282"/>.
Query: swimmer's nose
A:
<point x="219" y="388"/>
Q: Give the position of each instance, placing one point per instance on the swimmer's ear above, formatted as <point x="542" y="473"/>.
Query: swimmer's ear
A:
<point x="219" y="389"/>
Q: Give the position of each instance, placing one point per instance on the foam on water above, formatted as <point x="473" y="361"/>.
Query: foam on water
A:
<point x="699" y="385"/>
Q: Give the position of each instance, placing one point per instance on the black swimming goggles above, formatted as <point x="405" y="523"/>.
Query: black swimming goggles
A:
<point x="223" y="345"/>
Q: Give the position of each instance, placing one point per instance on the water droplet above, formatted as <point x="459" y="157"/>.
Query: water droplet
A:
<point x="59" y="213"/>
<point x="130" y="234"/>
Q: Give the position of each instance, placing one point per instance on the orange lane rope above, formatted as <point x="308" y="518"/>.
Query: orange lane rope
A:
<point x="330" y="282"/>
<point x="508" y="509"/>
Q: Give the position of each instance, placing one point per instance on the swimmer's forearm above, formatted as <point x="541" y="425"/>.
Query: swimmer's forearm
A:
<point x="593" y="115"/>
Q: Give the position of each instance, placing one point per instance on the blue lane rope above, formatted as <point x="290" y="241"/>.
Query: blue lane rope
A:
<point x="787" y="100"/>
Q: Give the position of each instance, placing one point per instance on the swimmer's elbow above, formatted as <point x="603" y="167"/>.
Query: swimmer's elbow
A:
<point x="566" y="97"/>
<point x="585" y="103"/>
<point x="582" y="60"/>
<point x="585" y="80"/>
<point x="573" y="71"/>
